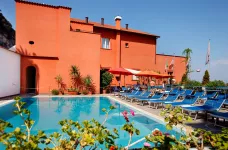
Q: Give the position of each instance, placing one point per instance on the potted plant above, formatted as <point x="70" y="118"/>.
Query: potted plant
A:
<point x="85" y="92"/>
<point x="88" y="84"/>
<point x="73" y="91"/>
<point x="105" y="81"/>
<point x="55" y="92"/>
<point x="76" y="78"/>
<point x="61" y="84"/>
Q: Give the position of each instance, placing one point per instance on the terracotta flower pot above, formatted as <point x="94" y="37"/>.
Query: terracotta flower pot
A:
<point x="104" y="91"/>
<point x="72" y="93"/>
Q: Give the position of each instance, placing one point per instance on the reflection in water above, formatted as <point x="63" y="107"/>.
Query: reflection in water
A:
<point x="61" y="102"/>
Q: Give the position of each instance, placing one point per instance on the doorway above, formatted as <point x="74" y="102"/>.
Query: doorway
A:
<point x="31" y="79"/>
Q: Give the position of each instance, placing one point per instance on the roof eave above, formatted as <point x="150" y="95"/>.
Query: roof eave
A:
<point x="127" y="31"/>
<point x="40" y="4"/>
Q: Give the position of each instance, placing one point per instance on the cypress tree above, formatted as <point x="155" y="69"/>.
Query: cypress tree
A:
<point x="206" y="78"/>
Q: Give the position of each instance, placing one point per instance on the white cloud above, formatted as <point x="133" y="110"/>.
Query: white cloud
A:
<point x="219" y="62"/>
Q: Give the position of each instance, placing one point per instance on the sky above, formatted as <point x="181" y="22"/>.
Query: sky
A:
<point x="180" y="23"/>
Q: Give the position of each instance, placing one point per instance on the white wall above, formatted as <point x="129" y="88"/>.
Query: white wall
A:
<point x="10" y="64"/>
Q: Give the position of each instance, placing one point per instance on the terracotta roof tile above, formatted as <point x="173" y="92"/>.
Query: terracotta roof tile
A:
<point x="40" y="4"/>
<point x="96" y="24"/>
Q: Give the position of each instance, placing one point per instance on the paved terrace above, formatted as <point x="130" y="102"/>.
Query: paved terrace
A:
<point x="201" y="122"/>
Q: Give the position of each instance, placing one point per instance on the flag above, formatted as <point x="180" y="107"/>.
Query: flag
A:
<point x="208" y="53"/>
<point x="171" y="64"/>
<point x="166" y="66"/>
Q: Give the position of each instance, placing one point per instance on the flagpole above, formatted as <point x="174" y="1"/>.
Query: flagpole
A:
<point x="209" y="47"/>
<point x="173" y="63"/>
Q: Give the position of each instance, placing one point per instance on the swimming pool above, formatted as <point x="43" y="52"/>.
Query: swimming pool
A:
<point x="48" y="111"/>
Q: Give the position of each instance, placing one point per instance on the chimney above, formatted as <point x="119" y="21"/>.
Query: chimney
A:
<point x="86" y="19"/>
<point x="102" y="21"/>
<point x="118" y="22"/>
<point x="126" y="26"/>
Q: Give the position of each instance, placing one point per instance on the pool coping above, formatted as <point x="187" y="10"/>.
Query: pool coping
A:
<point x="6" y="102"/>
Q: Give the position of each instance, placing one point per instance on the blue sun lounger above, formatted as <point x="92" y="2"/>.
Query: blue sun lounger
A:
<point x="135" y="94"/>
<point x="186" y="101"/>
<point x="128" y="93"/>
<point x="169" y="98"/>
<point x="156" y="96"/>
<point x="210" y="95"/>
<point x="144" y="95"/>
<point x="174" y="91"/>
<point x="197" y="93"/>
<point x="187" y="92"/>
<point x="217" y="114"/>
<point x="226" y="102"/>
<point x="218" y="96"/>
<point x="210" y="105"/>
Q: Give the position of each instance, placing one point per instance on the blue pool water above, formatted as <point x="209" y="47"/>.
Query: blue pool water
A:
<point x="47" y="112"/>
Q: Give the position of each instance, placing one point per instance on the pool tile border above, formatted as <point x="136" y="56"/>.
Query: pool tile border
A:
<point x="6" y="102"/>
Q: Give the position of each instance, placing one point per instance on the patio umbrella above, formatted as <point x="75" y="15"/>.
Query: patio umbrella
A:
<point x="148" y="73"/>
<point x="165" y="76"/>
<point x="162" y="76"/>
<point x="120" y="71"/>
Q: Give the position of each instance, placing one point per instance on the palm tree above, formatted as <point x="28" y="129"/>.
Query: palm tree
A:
<point x="59" y="80"/>
<point x="75" y="76"/>
<point x="187" y="52"/>
<point x="87" y="81"/>
<point x="61" y="84"/>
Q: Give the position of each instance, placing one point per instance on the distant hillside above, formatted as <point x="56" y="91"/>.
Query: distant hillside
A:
<point x="7" y="33"/>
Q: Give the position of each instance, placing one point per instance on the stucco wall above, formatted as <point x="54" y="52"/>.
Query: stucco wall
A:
<point x="108" y="56"/>
<point x="10" y="73"/>
<point x="45" y="74"/>
<point x="43" y="32"/>
<point x="140" y="53"/>
<point x="179" y="65"/>
<point x="53" y="38"/>
<point x="81" y="26"/>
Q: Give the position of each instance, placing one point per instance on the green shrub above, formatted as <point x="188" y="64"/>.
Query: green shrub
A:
<point x="55" y="92"/>
<point x="192" y="83"/>
<point x="215" y="83"/>
<point x="106" y="79"/>
<point x="88" y="84"/>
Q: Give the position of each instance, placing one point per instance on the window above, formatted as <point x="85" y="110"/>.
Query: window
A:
<point x="105" y="43"/>
<point x="126" y="45"/>
<point x="135" y="78"/>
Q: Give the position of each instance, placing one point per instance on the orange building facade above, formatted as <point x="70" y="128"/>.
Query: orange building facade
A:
<point x="50" y="41"/>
